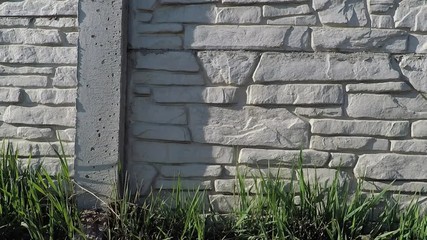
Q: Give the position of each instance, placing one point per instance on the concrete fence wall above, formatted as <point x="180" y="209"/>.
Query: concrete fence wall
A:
<point x="215" y="84"/>
<point x="197" y="88"/>
<point x="38" y="80"/>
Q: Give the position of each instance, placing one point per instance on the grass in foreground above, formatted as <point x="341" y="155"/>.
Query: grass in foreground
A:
<point x="36" y="205"/>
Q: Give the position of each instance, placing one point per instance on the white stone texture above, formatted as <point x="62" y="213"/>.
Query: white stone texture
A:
<point x="388" y="87"/>
<point x="259" y="171"/>
<point x="283" y="157"/>
<point x="40" y="115"/>
<point x="238" y="15"/>
<point x="23" y="81"/>
<point x="360" y="127"/>
<point x="63" y="22"/>
<point x="39" y="8"/>
<point x="295" y="94"/>
<point x="417" y="43"/>
<point x="380" y="6"/>
<point x="217" y="95"/>
<point x="52" y="96"/>
<point x="349" y="143"/>
<point x="233" y="185"/>
<point x="65" y="77"/>
<point x="173" y="153"/>
<point x="42" y="149"/>
<point x="397" y="186"/>
<point x="38" y="54"/>
<point x="419" y="129"/>
<point x="25" y="70"/>
<point x="382" y="21"/>
<point x="10" y="95"/>
<point x="319" y="111"/>
<point x="409" y="146"/>
<point x="198" y="13"/>
<point x="170" y="61"/>
<point x="324" y="67"/>
<point x="166" y="78"/>
<point x="32" y="133"/>
<point x="384" y="106"/>
<point x="414" y="68"/>
<point x="14" y="22"/>
<point x="305" y="20"/>
<point x="146" y="111"/>
<point x="343" y="160"/>
<point x="29" y="36"/>
<point x="324" y="177"/>
<point x="250" y="126"/>
<point x="391" y="167"/>
<point x="229" y="67"/>
<point x="72" y="38"/>
<point x="359" y="40"/>
<point x="184" y="184"/>
<point x="411" y="14"/>
<point x="161" y="132"/>
<point x="346" y="12"/>
<point x="247" y="37"/>
<point x="191" y="170"/>
<point x="285" y="10"/>
<point x="67" y="135"/>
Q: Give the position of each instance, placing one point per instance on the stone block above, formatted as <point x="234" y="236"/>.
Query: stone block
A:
<point x="10" y="95"/>
<point x="295" y="94"/>
<point x="184" y="184"/>
<point x="247" y="37"/>
<point x="324" y="67"/>
<point x="191" y="170"/>
<point x="224" y="203"/>
<point x="382" y="21"/>
<point x="38" y="54"/>
<point x="285" y="10"/>
<point x="32" y="133"/>
<point x="250" y="126"/>
<point x="42" y="149"/>
<point x="173" y="153"/>
<point x="341" y="13"/>
<point x="158" y="42"/>
<point x="52" y="96"/>
<point x="145" y="111"/>
<point x="159" y="28"/>
<point x="65" y="77"/>
<point x="283" y="157"/>
<point x="409" y="146"/>
<point x="380" y="6"/>
<point x="72" y="38"/>
<point x="161" y="132"/>
<point x="417" y="43"/>
<point x="396" y="186"/>
<point x="359" y="40"/>
<point x="30" y="36"/>
<point x="324" y="177"/>
<point x="40" y="115"/>
<point x="319" y="111"/>
<point x="419" y="129"/>
<point x="343" y="160"/>
<point x="385" y="106"/>
<point x="217" y="95"/>
<point x="259" y="171"/>
<point x="391" y="167"/>
<point x="411" y="14"/>
<point x="14" y="22"/>
<point x="360" y="127"/>
<point x="349" y="143"/>
<point x="305" y="20"/>
<point x="197" y="13"/>
<point x="39" y="8"/>
<point x="170" y="61"/>
<point x="389" y="87"/>
<point x="64" y="22"/>
<point x="23" y="81"/>
<point x="238" y="15"/>
<point x="25" y="70"/>
<point x="228" y="67"/>
<point x="166" y="78"/>
<point x="414" y="68"/>
<point x="67" y="135"/>
<point x="233" y="185"/>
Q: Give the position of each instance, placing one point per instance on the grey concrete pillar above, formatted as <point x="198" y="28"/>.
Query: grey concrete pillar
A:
<point x="100" y="99"/>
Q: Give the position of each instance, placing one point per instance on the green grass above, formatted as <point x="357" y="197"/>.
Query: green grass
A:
<point x="36" y="205"/>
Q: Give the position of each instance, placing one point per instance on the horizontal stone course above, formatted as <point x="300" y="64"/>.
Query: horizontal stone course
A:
<point x="166" y="78"/>
<point x="409" y="146"/>
<point x="145" y="111"/>
<point x="52" y="96"/>
<point x="38" y="54"/>
<point x="191" y="170"/>
<point x="349" y="143"/>
<point x="389" y="87"/>
<point x="40" y="115"/>
<point x="39" y="8"/>
<point x="170" y="61"/>
<point x="161" y="132"/>
<point x="217" y="95"/>
<point x="343" y="160"/>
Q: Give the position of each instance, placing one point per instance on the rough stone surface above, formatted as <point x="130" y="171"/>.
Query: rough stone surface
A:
<point x="347" y="12"/>
<point x="161" y="132"/>
<point x="382" y="21"/>
<point x="40" y="115"/>
<point x="296" y="94"/>
<point x="319" y="111"/>
<point x="50" y="96"/>
<point x="359" y="39"/>
<point x="349" y="143"/>
<point x="391" y="167"/>
<point x="157" y="152"/>
<point x="218" y="95"/>
<point x="166" y="78"/>
<point x="37" y="54"/>
<point x="409" y="146"/>
<point x="411" y="14"/>
<point x="414" y="68"/>
<point x="380" y="6"/>
<point x="281" y="11"/>
<point x="285" y="157"/>
<point x="419" y="129"/>
<point x="39" y="8"/>
<point x="31" y="133"/>
<point x="343" y="160"/>
<point x="231" y="67"/>
<point x="305" y="20"/>
<point x="360" y="127"/>
<point x="65" y="77"/>
<point x="170" y="61"/>
<point x="191" y="170"/>
<point x="261" y="127"/>
<point x="389" y="87"/>
<point x="246" y="37"/>
<point x="417" y="43"/>
<point x="323" y="67"/>
<point x="238" y="15"/>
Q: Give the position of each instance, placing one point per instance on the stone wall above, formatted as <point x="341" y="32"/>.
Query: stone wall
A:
<point x="215" y="84"/>
<point x="38" y="57"/>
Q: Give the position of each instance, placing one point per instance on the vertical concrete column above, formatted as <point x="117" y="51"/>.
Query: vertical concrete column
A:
<point x="100" y="99"/>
